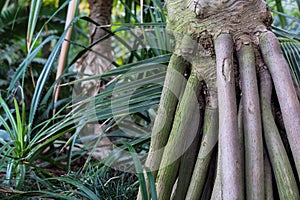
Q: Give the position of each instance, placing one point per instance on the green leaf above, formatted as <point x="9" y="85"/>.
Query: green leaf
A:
<point x="11" y="119"/>
<point x="33" y="17"/>
<point x="81" y="187"/>
<point x="152" y="185"/>
<point x="19" y="127"/>
<point x="283" y="33"/>
<point x="291" y="50"/>
<point x="45" y="73"/>
<point x="24" y="65"/>
<point x="139" y="170"/>
<point x="280" y="9"/>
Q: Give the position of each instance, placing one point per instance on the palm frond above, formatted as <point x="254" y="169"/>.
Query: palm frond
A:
<point x="12" y="20"/>
<point x="291" y="50"/>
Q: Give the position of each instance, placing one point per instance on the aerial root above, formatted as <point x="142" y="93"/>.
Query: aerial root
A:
<point x="166" y="112"/>
<point x="252" y="124"/>
<point x="208" y="143"/>
<point x="287" y="97"/>
<point x="231" y="174"/>
<point x="268" y="178"/>
<point x="285" y="179"/>
<point x="244" y="167"/>
<point x="184" y="130"/>
<point x="187" y="163"/>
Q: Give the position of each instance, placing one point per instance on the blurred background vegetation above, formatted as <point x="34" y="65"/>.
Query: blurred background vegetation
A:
<point x="41" y="153"/>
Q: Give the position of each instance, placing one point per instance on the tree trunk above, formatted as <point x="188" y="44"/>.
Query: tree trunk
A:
<point x="92" y="64"/>
<point x="227" y="43"/>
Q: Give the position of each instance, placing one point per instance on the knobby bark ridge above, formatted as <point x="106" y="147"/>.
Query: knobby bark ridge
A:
<point x="225" y="46"/>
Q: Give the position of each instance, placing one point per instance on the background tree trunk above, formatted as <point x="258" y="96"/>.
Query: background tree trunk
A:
<point x="93" y="64"/>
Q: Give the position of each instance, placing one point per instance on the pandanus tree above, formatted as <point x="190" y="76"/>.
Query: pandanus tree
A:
<point x="218" y="134"/>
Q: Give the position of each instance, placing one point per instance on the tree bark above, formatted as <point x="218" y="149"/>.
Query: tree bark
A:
<point x="92" y="64"/>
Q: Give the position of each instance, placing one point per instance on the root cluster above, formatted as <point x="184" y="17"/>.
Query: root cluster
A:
<point x="220" y="139"/>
